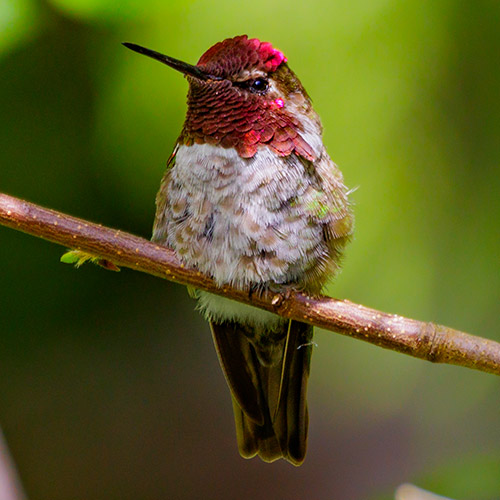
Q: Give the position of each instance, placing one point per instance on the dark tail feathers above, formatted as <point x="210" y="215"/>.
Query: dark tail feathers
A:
<point x="269" y="399"/>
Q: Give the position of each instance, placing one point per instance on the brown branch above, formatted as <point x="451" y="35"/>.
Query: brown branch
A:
<point x="423" y="340"/>
<point x="10" y="486"/>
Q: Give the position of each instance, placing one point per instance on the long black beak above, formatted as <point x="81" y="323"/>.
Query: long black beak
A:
<point x="187" y="69"/>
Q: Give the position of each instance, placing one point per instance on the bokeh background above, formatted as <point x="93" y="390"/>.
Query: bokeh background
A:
<point x="109" y="384"/>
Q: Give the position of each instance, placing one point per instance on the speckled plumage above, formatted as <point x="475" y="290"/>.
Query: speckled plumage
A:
<point x="252" y="199"/>
<point x="250" y="221"/>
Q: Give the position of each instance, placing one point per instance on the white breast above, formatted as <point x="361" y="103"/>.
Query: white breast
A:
<point x="239" y="220"/>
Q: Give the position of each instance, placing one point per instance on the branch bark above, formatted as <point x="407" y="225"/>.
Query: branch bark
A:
<point x="428" y="341"/>
<point x="10" y="486"/>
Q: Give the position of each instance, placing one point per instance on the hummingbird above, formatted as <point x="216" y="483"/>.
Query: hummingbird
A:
<point x="251" y="198"/>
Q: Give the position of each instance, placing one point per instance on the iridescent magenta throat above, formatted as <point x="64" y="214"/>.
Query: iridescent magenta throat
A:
<point x="217" y="115"/>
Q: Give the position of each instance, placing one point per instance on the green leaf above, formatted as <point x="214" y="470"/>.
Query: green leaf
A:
<point x="70" y="257"/>
<point x="78" y="258"/>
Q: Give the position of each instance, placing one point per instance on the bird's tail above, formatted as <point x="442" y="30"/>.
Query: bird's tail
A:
<point x="267" y="376"/>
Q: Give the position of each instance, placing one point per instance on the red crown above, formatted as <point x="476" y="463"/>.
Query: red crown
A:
<point x="233" y="55"/>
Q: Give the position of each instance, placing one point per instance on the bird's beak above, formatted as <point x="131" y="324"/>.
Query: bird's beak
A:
<point x="185" y="68"/>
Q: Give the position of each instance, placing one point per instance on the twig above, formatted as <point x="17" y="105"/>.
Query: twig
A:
<point x="428" y="341"/>
<point x="410" y="492"/>
<point x="10" y="486"/>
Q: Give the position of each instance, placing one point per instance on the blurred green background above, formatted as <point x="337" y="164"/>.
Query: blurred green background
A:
<point x="109" y="384"/>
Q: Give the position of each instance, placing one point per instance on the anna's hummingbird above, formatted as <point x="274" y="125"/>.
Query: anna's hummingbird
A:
<point x="252" y="199"/>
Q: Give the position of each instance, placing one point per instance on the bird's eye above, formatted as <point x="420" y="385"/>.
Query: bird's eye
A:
<point x="259" y="85"/>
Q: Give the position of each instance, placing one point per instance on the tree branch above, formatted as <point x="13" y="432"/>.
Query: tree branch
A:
<point x="10" y="486"/>
<point x="428" y="341"/>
